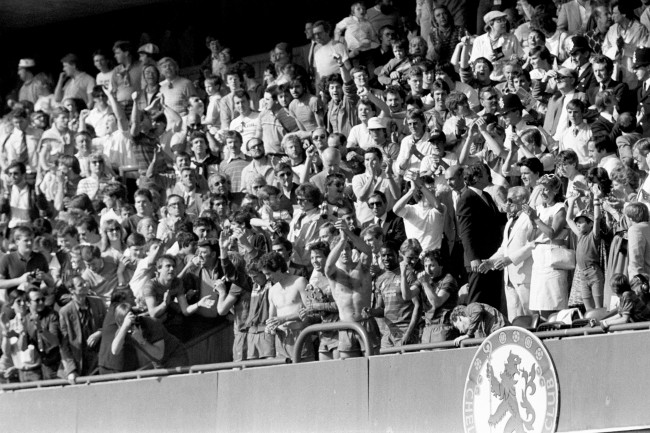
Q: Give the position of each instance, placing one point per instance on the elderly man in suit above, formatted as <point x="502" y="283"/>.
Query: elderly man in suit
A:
<point x="479" y="226"/>
<point x="514" y="256"/>
<point x="81" y="324"/>
<point x="557" y="121"/>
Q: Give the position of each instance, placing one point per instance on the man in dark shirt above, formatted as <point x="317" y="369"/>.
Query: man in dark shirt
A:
<point x="23" y="265"/>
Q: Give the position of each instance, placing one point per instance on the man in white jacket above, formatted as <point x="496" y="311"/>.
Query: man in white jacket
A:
<point x="515" y="254"/>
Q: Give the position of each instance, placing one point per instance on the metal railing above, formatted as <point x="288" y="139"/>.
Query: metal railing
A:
<point x="143" y="374"/>
<point x="337" y="326"/>
<point x="334" y="326"/>
<point x="560" y="333"/>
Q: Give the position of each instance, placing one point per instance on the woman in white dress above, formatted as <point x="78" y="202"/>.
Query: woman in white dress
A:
<point x="549" y="287"/>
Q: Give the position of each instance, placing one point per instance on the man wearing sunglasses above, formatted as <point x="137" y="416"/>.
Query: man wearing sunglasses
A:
<point x="514" y="256"/>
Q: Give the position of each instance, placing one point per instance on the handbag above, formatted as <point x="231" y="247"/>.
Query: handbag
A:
<point x="560" y="258"/>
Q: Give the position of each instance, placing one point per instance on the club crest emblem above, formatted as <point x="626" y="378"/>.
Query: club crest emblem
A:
<point x="511" y="385"/>
<point x="502" y="104"/>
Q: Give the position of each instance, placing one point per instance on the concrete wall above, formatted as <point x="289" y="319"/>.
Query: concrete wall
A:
<point x="603" y="384"/>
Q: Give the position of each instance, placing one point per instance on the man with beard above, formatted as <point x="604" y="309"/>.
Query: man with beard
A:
<point x="352" y="290"/>
<point x="260" y="165"/>
<point x="286" y="298"/>
<point x="514" y="256"/>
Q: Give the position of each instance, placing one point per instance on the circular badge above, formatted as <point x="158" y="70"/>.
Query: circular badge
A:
<point x="511" y="385"/>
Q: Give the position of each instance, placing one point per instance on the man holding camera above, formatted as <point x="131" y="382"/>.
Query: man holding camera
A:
<point x="23" y="265"/>
<point x="149" y="337"/>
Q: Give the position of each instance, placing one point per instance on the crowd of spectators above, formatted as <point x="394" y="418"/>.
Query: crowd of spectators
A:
<point x="425" y="182"/>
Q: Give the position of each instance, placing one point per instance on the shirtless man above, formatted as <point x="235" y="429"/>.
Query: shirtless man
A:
<point x="286" y="297"/>
<point x="352" y="289"/>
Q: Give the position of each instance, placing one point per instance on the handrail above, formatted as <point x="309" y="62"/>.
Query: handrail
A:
<point x="333" y="326"/>
<point x="353" y="326"/>
<point x="143" y="374"/>
<point x="560" y="333"/>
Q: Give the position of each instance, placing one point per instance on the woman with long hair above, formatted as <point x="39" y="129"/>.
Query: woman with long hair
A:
<point x="113" y="242"/>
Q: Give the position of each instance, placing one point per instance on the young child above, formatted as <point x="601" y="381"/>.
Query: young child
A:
<point x="359" y="33"/>
<point x="476" y="320"/>
<point x="630" y="307"/>
<point x="589" y="279"/>
<point x="134" y="252"/>
<point x="393" y="71"/>
<point x="212" y="118"/>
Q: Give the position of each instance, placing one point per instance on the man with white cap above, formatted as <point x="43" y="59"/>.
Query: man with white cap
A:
<point x="27" y="91"/>
<point x="556" y="121"/>
<point x="498" y="45"/>
<point x="378" y="128"/>
<point x="147" y="53"/>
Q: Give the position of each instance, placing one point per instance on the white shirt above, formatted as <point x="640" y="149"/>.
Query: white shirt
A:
<point x="577" y="138"/>
<point x="563" y="122"/>
<point x="360" y="136"/>
<point x="381" y="183"/>
<point x="413" y="163"/>
<point x="425" y="225"/>
<point x="246" y="126"/>
<point x="324" y="62"/>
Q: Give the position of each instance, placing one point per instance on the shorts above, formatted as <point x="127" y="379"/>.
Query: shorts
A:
<point x="349" y="341"/>
<point x="260" y="345"/>
<point x="328" y="341"/>
<point x="285" y="341"/>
